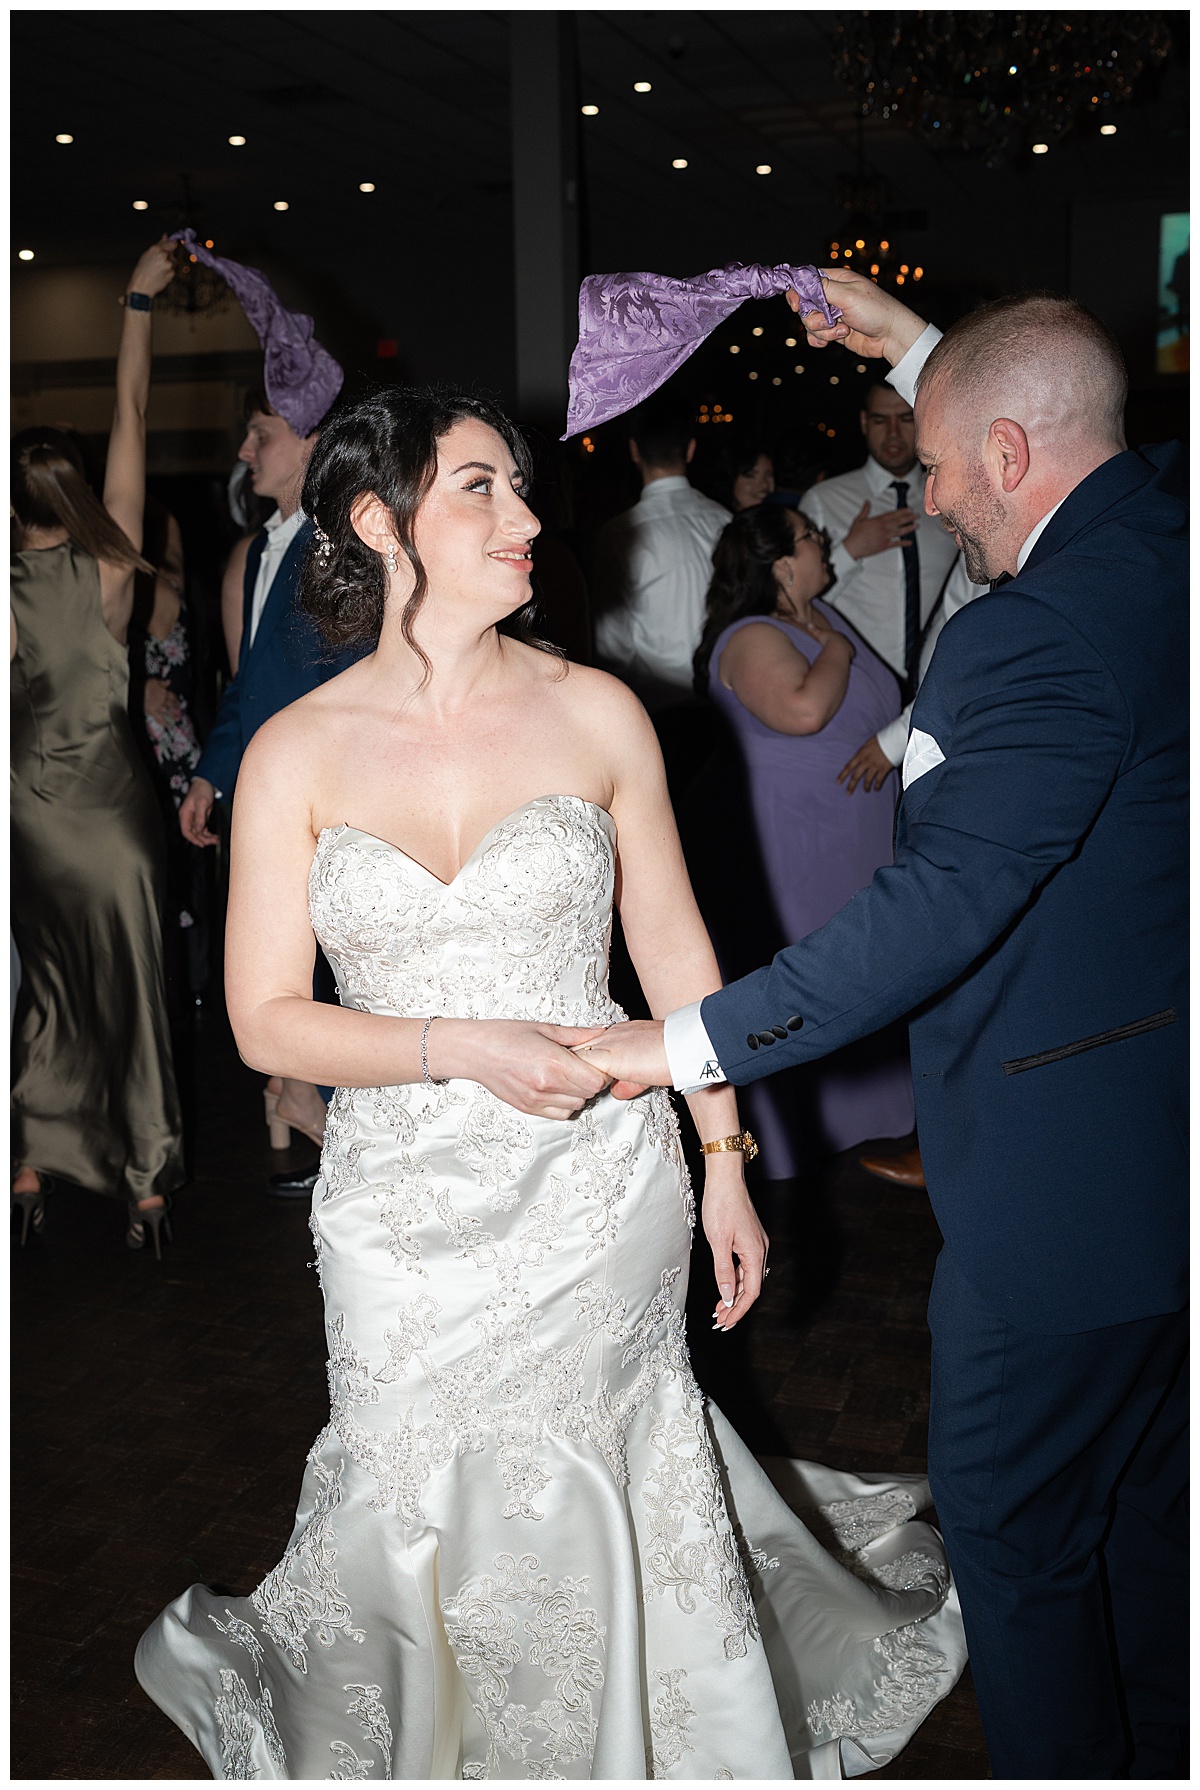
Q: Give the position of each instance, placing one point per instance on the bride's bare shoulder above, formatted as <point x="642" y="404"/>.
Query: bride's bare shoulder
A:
<point x="597" y="698"/>
<point x="298" y="737"/>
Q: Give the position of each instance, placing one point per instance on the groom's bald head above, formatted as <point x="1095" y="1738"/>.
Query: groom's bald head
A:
<point x="1015" y="406"/>
<point x="1042" y="360"/>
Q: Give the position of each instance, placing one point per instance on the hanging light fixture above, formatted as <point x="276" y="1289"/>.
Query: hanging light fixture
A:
<point x="992" y="83"/>
<point x="195" y="288"/>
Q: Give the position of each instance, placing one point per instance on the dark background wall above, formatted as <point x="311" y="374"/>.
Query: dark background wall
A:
<point x="415" y="279"/>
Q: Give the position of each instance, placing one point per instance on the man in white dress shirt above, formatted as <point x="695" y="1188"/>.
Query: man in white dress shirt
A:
<point x="884" y="751"/>
<point x="890" y="558"/>
<point x="653" y="565"/>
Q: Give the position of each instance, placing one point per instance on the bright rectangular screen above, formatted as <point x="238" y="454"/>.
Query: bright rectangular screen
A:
<point x="1174" y="321"/>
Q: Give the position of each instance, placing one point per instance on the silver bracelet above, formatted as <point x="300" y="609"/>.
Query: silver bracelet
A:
<point x="425" y="1075"/>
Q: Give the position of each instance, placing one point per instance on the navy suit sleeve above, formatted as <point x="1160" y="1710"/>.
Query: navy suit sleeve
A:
<point x="1034" y="729"/>
<point x="222" y="755"/>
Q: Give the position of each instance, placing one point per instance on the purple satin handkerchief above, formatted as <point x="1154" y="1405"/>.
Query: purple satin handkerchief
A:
<point x="636" y="329"/>
<point x="301" y="377"/>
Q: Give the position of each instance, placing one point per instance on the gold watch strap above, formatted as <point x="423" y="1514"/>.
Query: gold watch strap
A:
<point x="741" y="1140"/>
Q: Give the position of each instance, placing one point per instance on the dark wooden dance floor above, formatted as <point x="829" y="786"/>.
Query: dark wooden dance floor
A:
<point x="161" y="1415"/>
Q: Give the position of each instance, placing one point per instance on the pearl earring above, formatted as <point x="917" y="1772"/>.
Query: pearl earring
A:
<point x="391" y="556"/>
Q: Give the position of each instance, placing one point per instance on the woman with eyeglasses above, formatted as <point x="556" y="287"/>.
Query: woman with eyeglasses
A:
<point x="798" y="686"/>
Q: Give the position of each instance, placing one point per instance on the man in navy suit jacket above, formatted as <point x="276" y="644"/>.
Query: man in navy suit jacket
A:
<point x="1033" y="926"/>
<point x="281" y="658"/>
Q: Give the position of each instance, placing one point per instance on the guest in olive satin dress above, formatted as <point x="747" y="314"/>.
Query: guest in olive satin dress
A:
<point x="798" y="687"/>
<point x="94" y="1096"/>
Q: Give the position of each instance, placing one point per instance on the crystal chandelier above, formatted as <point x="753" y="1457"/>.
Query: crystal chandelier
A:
<point x="993" y="83"/>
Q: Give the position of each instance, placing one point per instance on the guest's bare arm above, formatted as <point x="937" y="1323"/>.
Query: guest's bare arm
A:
<point x="774" y="680"/>
<point x="270" y="950"/>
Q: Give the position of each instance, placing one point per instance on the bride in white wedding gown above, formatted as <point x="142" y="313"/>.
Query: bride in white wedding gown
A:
<point x="526" y="1546"/>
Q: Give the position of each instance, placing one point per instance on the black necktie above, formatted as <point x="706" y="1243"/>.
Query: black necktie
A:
<point x="912" y="598"/>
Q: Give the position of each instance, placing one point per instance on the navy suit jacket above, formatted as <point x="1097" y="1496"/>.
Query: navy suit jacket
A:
<point x="287" y="659"/>
<point x="1034" y="921"/>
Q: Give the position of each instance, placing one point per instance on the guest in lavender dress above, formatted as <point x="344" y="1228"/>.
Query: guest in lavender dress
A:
<point x="798" y="687"/>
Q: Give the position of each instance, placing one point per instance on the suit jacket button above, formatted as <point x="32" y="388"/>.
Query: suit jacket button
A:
<point x="766" y="1037"/>
<point x="752" y="1040"/>
<point x="794" y="1023"/>
<point x="778" y="1032"/>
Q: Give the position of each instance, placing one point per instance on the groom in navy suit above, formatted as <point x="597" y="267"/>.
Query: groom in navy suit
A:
<point x="1033" y="927"/>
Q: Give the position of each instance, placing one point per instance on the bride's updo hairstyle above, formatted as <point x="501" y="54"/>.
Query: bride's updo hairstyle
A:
<point x="385" y="444"/>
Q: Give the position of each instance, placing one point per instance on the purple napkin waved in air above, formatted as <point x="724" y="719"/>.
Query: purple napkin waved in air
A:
<point x="301" y="378"/>
<point x="636" y="329"/>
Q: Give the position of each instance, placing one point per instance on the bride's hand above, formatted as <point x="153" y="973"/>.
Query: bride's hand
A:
<point x="526" y="1065"/>
<point x="736" y="1238"/>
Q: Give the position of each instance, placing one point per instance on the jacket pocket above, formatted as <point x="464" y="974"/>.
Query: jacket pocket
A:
<point x="1151" y="1023"/>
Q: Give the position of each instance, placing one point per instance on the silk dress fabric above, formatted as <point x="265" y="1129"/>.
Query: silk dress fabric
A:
<point x="94" y="1097"/>
<point x="819" y="847"/>
<point x="525" y="1548"/>
<point x="636" y="329"/>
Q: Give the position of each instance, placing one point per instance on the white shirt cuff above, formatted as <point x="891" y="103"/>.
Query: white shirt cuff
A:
<point x="690" y="1055"/>
<point x="894" y="737"/>
<point x="845" y="565"/>
<point x="903" y="376"/>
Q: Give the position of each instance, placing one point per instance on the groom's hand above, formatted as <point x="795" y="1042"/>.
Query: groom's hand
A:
<point x="873" y="323"/>
<point x="633" y="1054"/>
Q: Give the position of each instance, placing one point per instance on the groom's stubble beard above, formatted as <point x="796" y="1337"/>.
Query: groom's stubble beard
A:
<point x="979" y="523"/>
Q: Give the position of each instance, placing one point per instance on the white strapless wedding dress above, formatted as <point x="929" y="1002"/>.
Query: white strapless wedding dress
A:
<point x="526" y="1546"/>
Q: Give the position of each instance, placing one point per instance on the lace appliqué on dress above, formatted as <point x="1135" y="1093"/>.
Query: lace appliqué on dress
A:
<point x="690" y="1545"/>
<point x="671" y="1715"/>
<point x="302" y="1592"/>
<point x="565" y="1639"/>
<point x="914" y="1677"/>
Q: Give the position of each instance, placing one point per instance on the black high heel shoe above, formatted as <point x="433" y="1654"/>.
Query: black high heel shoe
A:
<point x="156" y="1218"/>
<point x="32" y="1201"/>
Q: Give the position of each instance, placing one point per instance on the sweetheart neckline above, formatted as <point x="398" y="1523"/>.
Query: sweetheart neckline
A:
<point x="346" y="826"/>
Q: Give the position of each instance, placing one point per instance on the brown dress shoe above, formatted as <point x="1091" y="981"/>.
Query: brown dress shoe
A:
<point x="905" y="1168"/>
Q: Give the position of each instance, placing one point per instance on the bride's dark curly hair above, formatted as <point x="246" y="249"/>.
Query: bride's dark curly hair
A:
<point x="386" y="444"/>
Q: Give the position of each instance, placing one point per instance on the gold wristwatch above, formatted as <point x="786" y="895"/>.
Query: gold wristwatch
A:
<point x="741" y="1140"/>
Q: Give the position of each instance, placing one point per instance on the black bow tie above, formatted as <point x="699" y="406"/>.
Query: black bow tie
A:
<point x="1004" y="578"/>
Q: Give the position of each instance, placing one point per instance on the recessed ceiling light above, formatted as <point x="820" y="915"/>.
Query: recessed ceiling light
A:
<point x="834" y="379"/>
<point x="734" y="349"/>
<point x="763" y="168"/>
<point x="789" y="341"/>
<point x="238" y="142"/>
<point x="641" y="87"/>
<point x="1041" y="149"/>
<point x="24" y="254"/>
<point x="757" y="330"/>
<point x="281" y="205"/>
<point x="64" y="137"/>
<point x="141" y="205"/>
<point x="1106" y="130"/>
<point x="777" y="380"/>
<point x="861" y="367"/>
<point x="754" y="375"/>
<point x="679" y="162"/>
<point x="797" y="369"/>
<point x="590" y="111"/>
<point x="366" y="186"/>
